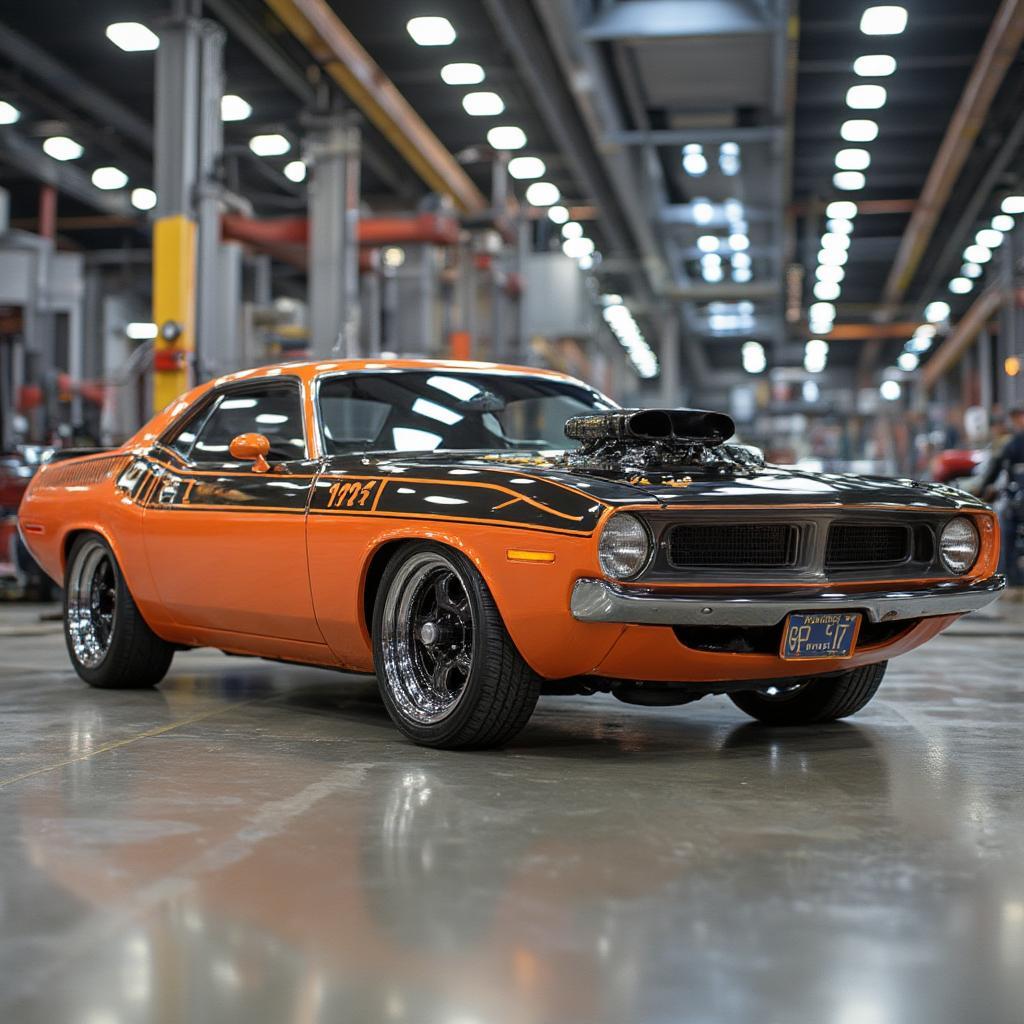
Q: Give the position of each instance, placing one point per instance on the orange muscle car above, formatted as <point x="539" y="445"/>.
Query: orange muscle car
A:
<point x="478" y="534"/>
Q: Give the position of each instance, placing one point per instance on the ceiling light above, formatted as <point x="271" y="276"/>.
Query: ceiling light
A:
<point x="703" y="211"/>
<point x="140" y="330"/>
<point x="729" y="158"/>
<point x="9" y="114"/>
<point x="708" y="243"/>
<point x="733" y="210"/>
<point x="711" y="259"/>
<point x="523" y="167"/>
<point x="431" y="31"/>
<point x="815" y="355"/>
<point x="572" y="230"/>
<point x="849" y="181"/>
<point x="853" y="159"/>
<point x="845" y="208"/>
<point x="839" y="226"/>
<point x="694" y="161"/>
<point x="1002" y="222"/>
<point x="925" y="331"/>
<point x="865" y="97"/>
<point x="833" y="257"/>
<point x="835" y="240"/>
<point x="132" y="37"/>
<point x="810" y="391"/>
<point x="295" y="170"/>
<point x="506" y="136"/>
<point x="874" y="65"/>
<point x="890" y="390"/>
<point x="483" y="104"/>
<point x="961" y="285"/>
<point x="977" y="254"/>
<point x="109" y="178"/>
<point x="269" y="145"/>
<point x="143" y="198"/>
<point x="989" y="237"/>
<point x="542" y="193"/>
<point x="738" y="242"/>
<point x="742" y="275"/>
<point x="919" y="344"/>
<point x="462" y="74"/>
<point x="558" y="214"/>
<point x="60" y="147"/>
<point x="234" y="108"/>
<point x="828" y="291"/>
<point x="971" y="270"/>
<point x="577" y="247"/>
<point x="1013" y="204"/>
<point x="822" y="311"/>
<point x="712" y="272"/>
<point x="859" y="130"/>
<point x="825" y="272"/>
<point x="741" y="260"/>
<point x="935" y="312"/>
<point x="887" y="20"/>
<point x="752" y="354"/>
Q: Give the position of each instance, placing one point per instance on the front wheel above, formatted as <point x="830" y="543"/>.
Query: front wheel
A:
<point x="109" y="642"/>
<point x="448" y="672"/>
<point x="814" y="700"/>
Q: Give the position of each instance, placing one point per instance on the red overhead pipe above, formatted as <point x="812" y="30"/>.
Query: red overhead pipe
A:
<point x="423" y="228"/>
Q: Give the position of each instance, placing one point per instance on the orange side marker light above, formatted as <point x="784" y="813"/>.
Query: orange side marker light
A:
<point x="518" y="555"/>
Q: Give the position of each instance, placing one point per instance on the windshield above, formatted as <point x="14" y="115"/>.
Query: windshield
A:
<point x="430" y="410"/>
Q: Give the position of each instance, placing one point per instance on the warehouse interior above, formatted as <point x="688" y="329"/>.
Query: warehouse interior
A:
<point x="804" y="213"/>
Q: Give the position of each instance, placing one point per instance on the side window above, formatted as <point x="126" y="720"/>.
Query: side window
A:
<point x="274" y="411"/>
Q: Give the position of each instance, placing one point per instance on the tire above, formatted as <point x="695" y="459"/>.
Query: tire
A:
<point x="448" y="672"/>
<point x="815" y="700"/>
<point x="110" y="645"/>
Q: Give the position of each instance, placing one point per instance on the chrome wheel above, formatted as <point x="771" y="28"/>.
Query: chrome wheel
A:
<point x="428" y="635"/>
<point x="91" y="603"/>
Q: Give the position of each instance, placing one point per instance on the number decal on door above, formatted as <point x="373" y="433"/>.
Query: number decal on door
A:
<point x="350" y="494"/>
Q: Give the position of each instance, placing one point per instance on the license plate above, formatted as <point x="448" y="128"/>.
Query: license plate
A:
<point x="820" y="635"/>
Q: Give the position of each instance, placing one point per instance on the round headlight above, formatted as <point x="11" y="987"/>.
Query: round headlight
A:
<point x="958" y="545"/>
<point x="624" y="547"/>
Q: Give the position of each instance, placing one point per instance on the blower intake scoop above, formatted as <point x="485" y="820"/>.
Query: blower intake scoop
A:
<point x="652" y="425"/>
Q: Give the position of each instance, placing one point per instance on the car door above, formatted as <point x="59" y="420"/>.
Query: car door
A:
<point x="226" y="542"/>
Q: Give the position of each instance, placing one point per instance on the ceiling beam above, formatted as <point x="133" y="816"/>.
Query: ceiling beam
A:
<point x="347" y="63"/>
<point x="1001" y="47"/>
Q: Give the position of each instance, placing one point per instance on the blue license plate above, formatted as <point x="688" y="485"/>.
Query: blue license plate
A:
<point x="810" y="635"/>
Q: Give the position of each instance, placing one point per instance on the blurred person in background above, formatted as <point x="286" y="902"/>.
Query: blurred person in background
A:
<point x="1004" y="484"/>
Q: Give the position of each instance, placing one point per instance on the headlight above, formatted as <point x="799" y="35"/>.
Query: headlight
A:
<point x="958" y="545"/>
<point x="624" y="548"/>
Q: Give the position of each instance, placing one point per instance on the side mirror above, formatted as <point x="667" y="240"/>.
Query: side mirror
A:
<point x="251" y="448"/>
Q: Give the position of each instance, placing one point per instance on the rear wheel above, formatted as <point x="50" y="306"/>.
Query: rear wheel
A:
<point x="110" y="645"/>
<point x="813" y="700"/>
<point x="449" y="674"/>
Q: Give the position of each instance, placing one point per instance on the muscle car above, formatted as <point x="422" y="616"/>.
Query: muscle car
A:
<point x="477" y="534"/>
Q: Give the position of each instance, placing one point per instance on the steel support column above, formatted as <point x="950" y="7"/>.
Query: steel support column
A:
<point x="332" y="153"/>
<point x="668" y="358"/>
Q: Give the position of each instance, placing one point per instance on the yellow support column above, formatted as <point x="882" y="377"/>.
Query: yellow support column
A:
<point x="174" y="306"/>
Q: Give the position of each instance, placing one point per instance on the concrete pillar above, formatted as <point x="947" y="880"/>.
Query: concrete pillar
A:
<point x="668" y="357"/>
<point x="332" y="155"/>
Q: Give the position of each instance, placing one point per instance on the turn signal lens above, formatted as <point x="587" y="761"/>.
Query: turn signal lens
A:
<point x="958" y="545"/>
<point x="624" y="548"/>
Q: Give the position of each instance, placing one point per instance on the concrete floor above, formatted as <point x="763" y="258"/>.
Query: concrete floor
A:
<point x="255" y="843"/>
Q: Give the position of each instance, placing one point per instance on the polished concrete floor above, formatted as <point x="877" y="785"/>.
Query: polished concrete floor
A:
<point x="255" y="843"/>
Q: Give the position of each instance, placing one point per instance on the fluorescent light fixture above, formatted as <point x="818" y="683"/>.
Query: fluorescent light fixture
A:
<point x="708" y="243"/>
<point x="710" y="259"/>
<point x="833" y="257"/>
<point x="483" y="104"/>
<point x="971" y="270"/>
<point x="827" y="291"/>
<point x="738" y="242"/>
<point x="824" y="272"/>
<point x="742" y="275"/>
<point x="865" y="97"/>
<point x="810" y="391"/>
<point x="936" y="312"/>
<point x="977" y="254"/>
<point x="989" y="237"/>
<point x="60" y="147"/>
<point x="523" y="167"/>
<point x="234" y="108"/>
<point x="752" y="354"/>
<point x="908" y="361"/>
<point x="577" y="247"/>
<point x="890" y="390"/>
<point x="961" y="285"/>
<point x="822" y="311"/>
<point x="1013" y="204"/>
<point x="506" y="136"/>
<point x="887" y="20"/>
<point x="143" y="198"/>
<point x="733" y="209"/>
<point x="269" y="145"/>
<point x="132" y="37"/>
<point x="558" y="214"/>
<point x="431" y="31"/>
<point x="572" y="230"/>
<point x="741" y="260"/>
<point x="703" y="211"/>
<point x="839" y="226"/>
<point x="695" y="163"/>
<point x="542" y="193"/>
<point x="849" y="181"/>
<point x="919" y="343"/>
<point x="109" y="178"/>
<point x="835" y="240"/>
<point x="295" y="170"/>
<point x="844" y="208"/>
<point x="729" y="158"/>
<point x="815" y="355"/>
<point x="874" y="65"/>
<point x="859" y="130"/>
<point x="853" y="159"/>
<point x="9" y="114"/>
<point x="925" y="331"/>
<point x="140" y="331"/>
<point x="1002" y="222"/>
<point x="393" y="256"/>
<point x="462" y="74"/>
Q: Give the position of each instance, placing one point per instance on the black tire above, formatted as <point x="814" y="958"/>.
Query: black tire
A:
<point x="467" y="687"/>
<point x="815" y="700"/>
<point x="110" y="645"/>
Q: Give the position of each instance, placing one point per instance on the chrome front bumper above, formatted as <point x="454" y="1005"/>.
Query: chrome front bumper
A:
<point x="599" y="601"/>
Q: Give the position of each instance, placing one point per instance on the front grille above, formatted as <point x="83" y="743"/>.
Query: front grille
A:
<point x="866" y="544"/>
<point x="732" y="545"/>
